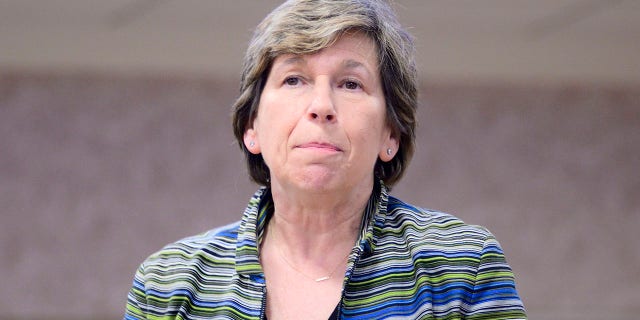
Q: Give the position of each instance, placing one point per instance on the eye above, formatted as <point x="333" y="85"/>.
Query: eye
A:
<point x="352" y="85"/>
<point x="292" y="81"/>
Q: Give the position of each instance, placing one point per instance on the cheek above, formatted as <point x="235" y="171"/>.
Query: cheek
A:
<point x="366" y="135"/>
<point x="275" y="122"/>
<point x="372" y="124"/>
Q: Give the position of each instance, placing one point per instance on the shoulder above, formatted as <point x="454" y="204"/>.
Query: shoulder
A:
<point x="432" y="224"/>
<point x="194" y="277"/>
<point x="216" y="246"/>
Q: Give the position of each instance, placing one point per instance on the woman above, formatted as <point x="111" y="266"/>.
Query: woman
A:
<point x="326" y="119"/>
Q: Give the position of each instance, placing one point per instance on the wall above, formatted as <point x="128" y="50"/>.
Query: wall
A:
<point x="99" y="171"/>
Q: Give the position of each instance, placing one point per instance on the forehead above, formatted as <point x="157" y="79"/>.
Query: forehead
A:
<point x="350" y="50"/>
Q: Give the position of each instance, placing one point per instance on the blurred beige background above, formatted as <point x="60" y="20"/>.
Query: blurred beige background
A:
<point x="115" y="140"/>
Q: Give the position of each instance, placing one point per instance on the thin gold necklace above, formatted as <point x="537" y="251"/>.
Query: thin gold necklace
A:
<point x="323" y="278"/>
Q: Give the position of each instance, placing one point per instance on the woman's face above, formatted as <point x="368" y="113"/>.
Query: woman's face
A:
<point x="321" y="118"/>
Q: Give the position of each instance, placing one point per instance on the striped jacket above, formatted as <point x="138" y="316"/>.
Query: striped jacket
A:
<point x="409" y="263"/>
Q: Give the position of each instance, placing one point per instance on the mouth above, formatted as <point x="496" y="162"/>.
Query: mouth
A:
<point x="320" y="146"/>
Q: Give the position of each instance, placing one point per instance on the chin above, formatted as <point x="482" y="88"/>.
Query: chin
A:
<point x="319" y="181"/>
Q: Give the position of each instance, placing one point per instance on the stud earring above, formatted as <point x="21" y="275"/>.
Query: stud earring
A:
<point x="251" y="144"/>
<point x="389" y="151"/>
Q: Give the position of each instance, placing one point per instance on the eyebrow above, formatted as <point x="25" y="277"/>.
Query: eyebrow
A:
<point x="353" y="64"/>
<point x="289" y="61"/>
<point x="348" y="64"/>
<point x="296" y="59"/>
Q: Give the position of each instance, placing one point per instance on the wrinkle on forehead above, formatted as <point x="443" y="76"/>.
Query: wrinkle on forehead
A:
<point x="364" y="48"/>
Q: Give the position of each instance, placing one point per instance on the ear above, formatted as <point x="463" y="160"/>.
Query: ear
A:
<point x="250" y="139"/>
<point x="389" y="148"/>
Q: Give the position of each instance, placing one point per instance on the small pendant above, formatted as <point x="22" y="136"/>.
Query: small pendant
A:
<point x="323" y="278"/>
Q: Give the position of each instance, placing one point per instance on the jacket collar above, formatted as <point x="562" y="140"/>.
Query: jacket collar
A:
<point x="260" y="209"/>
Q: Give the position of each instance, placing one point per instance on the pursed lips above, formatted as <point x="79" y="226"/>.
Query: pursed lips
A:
<point x="319" y="145"/>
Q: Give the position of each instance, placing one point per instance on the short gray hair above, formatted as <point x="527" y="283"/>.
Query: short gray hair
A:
<point x="307" y="26"/>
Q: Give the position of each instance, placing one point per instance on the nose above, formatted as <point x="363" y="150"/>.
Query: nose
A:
<point x="322" y="106"/>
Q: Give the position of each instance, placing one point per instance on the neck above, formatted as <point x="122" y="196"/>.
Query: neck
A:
<point x="310" y="234"/>
<point x="315" y="227"/>
<point x="315" y="254"/>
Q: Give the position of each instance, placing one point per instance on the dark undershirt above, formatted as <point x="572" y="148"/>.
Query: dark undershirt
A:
<point x="333" y="316"/>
